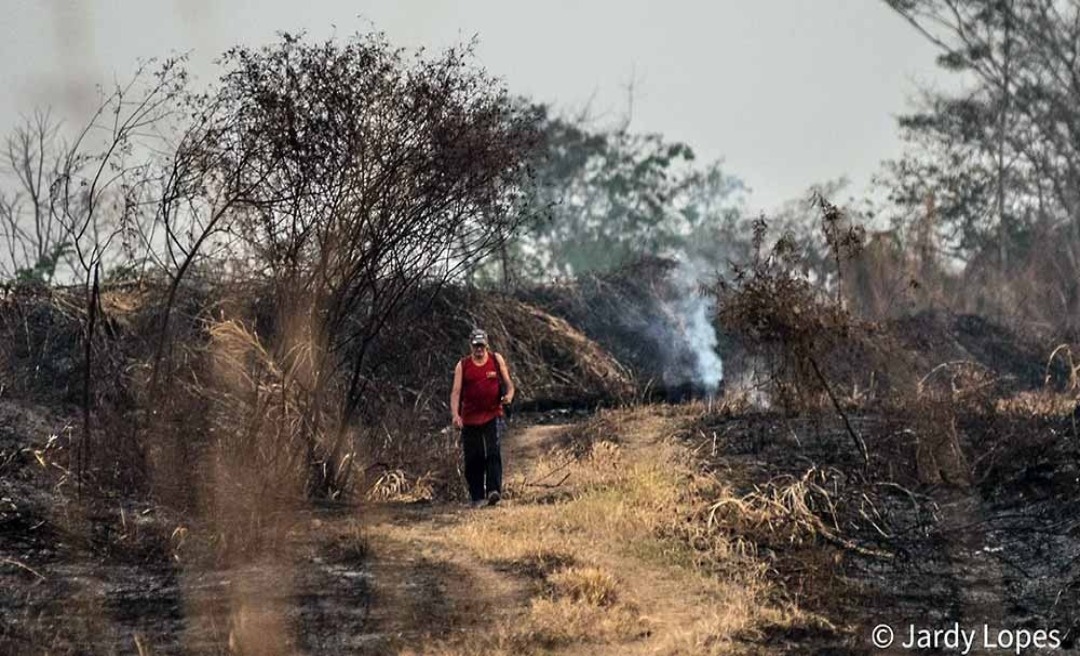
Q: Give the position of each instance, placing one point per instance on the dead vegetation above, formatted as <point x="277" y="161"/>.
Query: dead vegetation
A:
<point x="894" y="453"/>
<point x="194" y="423"/>
<point x="716" y="527"/>
<point x="605" y="554"/>
<point x="554" y="362"/>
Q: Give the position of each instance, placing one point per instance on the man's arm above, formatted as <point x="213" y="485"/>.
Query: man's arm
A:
<point x="504" y="371"/>
<point x="455" y="396"/>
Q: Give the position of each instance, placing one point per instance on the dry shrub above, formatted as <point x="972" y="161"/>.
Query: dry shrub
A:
<point x="949" y="390"/>
<point x="783" y="317"/>
<point x="243" y="436"/>
<point x="551" y="361"/>
<point x="803" y="326"/>
<point x="262" y="416"/>
<point x="778" y="512"/>
<point x="593" y="586"/>
<point x="253" y="465"/>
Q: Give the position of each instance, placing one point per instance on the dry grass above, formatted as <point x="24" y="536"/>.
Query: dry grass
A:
<point x="592" y="586"/>
<point x="399" y="485"/>
<point x="779" y="511"/>
<point x="611" y="570"/>
<point x="1041" y="403"/>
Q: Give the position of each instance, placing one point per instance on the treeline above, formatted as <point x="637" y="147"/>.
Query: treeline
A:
<point x="990" y="177"/>
<point x="331" y="184"/>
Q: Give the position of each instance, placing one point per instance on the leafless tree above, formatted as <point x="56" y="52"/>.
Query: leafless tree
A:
<point x="77" y="203"/>
<point x="374" y="171"/>
<point x="346" y="176"/>
<point x="32" y="240"/>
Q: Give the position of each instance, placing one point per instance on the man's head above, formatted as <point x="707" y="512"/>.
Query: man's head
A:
<point x="478" y="341"/>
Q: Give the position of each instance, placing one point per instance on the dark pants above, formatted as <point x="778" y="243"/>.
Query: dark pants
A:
<point x="482" y="458"/>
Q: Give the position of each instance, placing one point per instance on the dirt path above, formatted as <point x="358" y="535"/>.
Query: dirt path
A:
<point x="571" y="563"/>
<point x="426" y="591"/>
<point x="586" y="555"/>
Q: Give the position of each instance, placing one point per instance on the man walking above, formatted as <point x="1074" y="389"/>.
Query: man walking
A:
<point x="482" y="386"/>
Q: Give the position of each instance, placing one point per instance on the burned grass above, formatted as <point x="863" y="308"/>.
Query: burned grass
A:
<point x="990" y="538"/>
<point x="190" y="483"/>
<point x="705" y="528"/>
<point x="921" y="469"/>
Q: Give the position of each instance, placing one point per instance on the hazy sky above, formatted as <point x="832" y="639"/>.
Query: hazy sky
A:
<point x="787" y="92"/>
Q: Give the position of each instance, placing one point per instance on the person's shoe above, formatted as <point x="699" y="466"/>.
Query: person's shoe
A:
<point x="493" y="498"/>
<point x="478" y="503"/>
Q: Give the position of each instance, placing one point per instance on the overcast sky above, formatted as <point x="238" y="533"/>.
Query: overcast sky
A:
<point x="787" y="92"/>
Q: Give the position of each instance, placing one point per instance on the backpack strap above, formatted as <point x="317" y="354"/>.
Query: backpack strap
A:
<point x="504" y="376"/>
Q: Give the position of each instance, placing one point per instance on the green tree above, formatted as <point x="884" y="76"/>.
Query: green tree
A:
<point x="612" y="195"/>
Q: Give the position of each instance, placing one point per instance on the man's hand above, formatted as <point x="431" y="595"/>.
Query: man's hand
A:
<point x="507" y="399"/>
<point x="457" y="421"/>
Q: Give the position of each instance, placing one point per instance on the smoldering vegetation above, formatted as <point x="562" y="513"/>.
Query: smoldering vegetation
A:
<point x="650" y="315"/>
<point x="934" y="453"/>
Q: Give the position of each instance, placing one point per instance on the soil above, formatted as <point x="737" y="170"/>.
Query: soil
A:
<point x="375" y="579"/>
<point x="1004" y="551"/>
<point x="339" y="586"/>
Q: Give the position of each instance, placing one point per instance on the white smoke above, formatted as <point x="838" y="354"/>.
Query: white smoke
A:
<point x="701" y="338"/>
<point x="690" y="331"/>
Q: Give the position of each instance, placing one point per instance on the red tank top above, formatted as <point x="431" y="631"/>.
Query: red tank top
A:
<point x="480" y="401"/>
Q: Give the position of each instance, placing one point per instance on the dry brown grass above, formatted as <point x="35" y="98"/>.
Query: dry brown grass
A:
<point x="399" y="485"/>
<point x="1040" y="403"/>
<point x="592" y="586"/>
<point x="777" y="512"/>
<point x="612" y="571"/>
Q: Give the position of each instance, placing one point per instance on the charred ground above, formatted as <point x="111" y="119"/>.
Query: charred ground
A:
<point x="965" y="509"/>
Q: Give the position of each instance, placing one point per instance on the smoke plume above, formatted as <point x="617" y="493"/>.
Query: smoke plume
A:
<point x="688" y="332"/>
